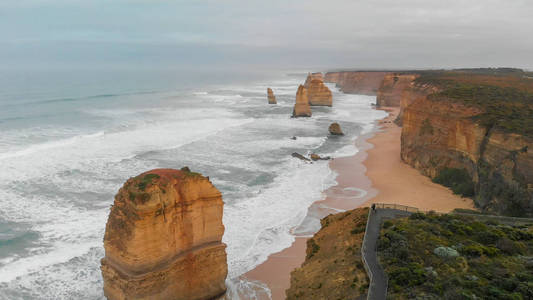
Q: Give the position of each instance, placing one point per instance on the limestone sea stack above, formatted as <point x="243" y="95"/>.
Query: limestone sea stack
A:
<point x="271" y="97"/>
<point x="318" y="93"/>
<point x="163" y="238"/>
<point x="301" y="107"/>
<point x="335" y="129"/>
<point x="311" y="76"/>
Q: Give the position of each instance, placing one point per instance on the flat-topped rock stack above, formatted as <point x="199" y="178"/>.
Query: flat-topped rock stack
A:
<point x="163" y="238"/>
<point x="318" y="93"/>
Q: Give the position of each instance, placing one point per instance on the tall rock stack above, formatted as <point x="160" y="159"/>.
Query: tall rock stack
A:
<point x="271" y="97"/>
<point x="301" y="107"/>
<point x="311" y="76"/>
<point x="319" y="93"/>
<point x="163" y="238"/>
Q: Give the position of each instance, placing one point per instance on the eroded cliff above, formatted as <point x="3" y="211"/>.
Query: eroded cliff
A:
<point x="356" y="82"/>
<point x="480" y="123"/>
<point x="392" y="87"/>
<point x="163" y="238"/>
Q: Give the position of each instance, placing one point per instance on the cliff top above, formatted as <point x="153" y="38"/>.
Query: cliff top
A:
<point x="504" y="95"/>
<point x="139" y="189"/>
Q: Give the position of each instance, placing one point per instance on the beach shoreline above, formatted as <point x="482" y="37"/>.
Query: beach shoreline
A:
<point x="374" y="174"/>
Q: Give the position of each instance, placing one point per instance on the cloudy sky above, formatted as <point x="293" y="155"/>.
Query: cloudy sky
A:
<point x="274" y="33"/>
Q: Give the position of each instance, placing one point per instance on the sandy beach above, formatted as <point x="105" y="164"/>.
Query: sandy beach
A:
<point x="399" y="183"/>
<point x="375" y="174"/>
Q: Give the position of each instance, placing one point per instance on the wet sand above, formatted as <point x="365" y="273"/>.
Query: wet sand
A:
<point x="375" y="174"/>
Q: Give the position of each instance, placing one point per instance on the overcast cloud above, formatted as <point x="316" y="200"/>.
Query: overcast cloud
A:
<point x="278" y="34"/>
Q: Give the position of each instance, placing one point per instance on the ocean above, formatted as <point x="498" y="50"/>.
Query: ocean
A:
<point x="69" y="140"/>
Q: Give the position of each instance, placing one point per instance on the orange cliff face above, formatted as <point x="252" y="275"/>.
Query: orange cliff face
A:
<point x="301" y="107"/>
<point x="163" y="238"/>
<point x="271" y="97"/>
<point x="391" y="88"/>
<point x="356" y="82"/>
<point x="438" y="133"/>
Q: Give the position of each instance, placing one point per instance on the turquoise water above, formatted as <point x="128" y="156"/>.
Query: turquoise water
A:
<point x="69" y="140"/>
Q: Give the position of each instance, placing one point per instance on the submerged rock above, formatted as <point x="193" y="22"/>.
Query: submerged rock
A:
<point x="163" y="238"/>
<point x="316" y="157"/>
<point x="301" y="107"/>
<point x="299" y="156"/>
<point x="335" y="129"/>
<point x="271" y="97"/>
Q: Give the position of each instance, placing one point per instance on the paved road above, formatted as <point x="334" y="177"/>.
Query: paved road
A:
<point x="378" y="285"/>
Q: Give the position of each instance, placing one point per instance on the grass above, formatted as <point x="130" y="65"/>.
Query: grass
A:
<point x="491" y="260"/>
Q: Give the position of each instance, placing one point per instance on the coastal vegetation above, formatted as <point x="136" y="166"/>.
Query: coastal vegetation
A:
<point x="333" y="268"/>
<point x="504" y="95"/>
<point x="430" y="256"/>
<point x="458" y="180"/>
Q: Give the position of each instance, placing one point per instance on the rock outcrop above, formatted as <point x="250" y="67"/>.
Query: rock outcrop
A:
<point x="163" y="238"/>
<point x="301" y="107"/>
<point x="271" y="97"/>
<point x="335" y="129"/>
<point x="392" y="87"/>
<point x="333" y="268"/>
<point x="356" y="82"/>
<point x="315" y="157"/>
<point x="319" y="94"/>
<point x="300" y="157"/>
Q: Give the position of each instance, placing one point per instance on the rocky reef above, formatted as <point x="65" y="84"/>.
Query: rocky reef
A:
<point x="301" y="107"/>
<point x="481" y="123"/>
<point x="356" y="82"/>
<point x="271" y="97"/>
<point x="163" y="238"/>
<point x="333" y="268"/>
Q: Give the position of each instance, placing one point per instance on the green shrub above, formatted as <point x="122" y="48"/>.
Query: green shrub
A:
<point x="387" y="224"/>
<point x="496" y="261"/>
<point x="146" y="180"/>
<point x="311" y="244"/>
<point x="457" y="179"/>
<point x="473" y="250"/>
<point x="357" y="230"/>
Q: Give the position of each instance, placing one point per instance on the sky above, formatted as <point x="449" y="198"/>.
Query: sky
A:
<point x="297" y="34"/>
